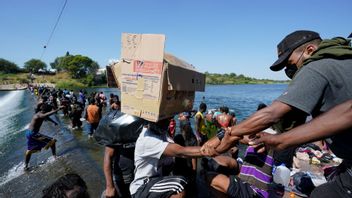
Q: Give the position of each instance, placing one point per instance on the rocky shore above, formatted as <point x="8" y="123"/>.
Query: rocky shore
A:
<point x="18" y="86"/>
<point x="10" y="87"/>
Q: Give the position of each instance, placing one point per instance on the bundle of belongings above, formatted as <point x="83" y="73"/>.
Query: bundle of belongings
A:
<point x="117" y="128"/>
<point x="312" y="167"/>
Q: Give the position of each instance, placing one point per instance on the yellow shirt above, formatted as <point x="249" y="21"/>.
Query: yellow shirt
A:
<point x="202" y="127"/>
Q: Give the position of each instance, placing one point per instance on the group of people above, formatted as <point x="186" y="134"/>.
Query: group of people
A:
<point x="321" y="87"/>
<point x="208" y="123"/>
<point x="73" y="105"/>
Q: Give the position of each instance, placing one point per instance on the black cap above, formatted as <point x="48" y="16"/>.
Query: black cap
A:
<point x="350" y="36"/>
<point x="289" y="44"/>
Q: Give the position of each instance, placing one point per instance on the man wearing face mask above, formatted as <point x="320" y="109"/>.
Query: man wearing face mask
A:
<point x="321" y="73"/>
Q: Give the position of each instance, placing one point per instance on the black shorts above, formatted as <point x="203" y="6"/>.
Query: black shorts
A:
<point x="161" y="187"/>
<point x="240" y="189"/>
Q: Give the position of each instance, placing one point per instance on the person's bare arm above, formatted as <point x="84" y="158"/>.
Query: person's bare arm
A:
<point x="336" y="120"/>
<point x="257" y="122"/>
<point x="45" y="115"/>
<point x="51" y="120"/>
<point x="175" y="150"/>
<point x="110" y="190"/>
<point x="194" y="164"/>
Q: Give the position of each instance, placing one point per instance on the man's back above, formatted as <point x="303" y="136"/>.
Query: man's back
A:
<point x="93" y="115"/>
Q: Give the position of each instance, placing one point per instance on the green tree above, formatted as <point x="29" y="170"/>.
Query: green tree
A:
<point x="8" y="67"/>
<point x="80" y="66"/>
<point x="77" y="65"/>
<point x="34" y="65"/>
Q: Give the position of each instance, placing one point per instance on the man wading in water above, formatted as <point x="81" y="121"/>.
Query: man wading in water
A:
<point x="35" y="140"/>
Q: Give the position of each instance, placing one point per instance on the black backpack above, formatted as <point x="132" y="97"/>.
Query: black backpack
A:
<point x="117" y="128"/>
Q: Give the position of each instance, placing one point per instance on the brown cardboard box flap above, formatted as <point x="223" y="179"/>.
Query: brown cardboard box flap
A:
<point x="142" y="47"/>
<point x="183" y="76"/>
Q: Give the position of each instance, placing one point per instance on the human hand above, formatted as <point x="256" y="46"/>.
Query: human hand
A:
<point x="263" y="140"/>
<point x="208" y="148"/>
<point x="110" y="192"/>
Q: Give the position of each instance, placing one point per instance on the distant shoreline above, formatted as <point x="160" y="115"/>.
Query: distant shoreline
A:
<point x="13" y="87"/>
<point x="21" y="86"/>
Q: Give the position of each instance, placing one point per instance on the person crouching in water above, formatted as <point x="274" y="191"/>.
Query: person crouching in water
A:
<point x="35" y="140"/>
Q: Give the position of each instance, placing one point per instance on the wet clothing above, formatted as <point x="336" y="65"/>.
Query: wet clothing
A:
<point x="37" y="141"/>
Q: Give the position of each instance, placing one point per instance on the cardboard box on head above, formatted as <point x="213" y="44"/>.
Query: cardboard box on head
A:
<point x="154" y="85"/>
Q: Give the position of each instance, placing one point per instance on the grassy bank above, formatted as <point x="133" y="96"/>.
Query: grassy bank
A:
<point x="61" y="80"/>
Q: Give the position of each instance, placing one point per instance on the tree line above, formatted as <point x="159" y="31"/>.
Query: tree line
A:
<point x="232" y="78"/>
<point x="78" y="66"/>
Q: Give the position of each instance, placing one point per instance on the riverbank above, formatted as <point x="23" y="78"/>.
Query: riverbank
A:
<point x="11" y="87"/>
<point x="18" y="86"/>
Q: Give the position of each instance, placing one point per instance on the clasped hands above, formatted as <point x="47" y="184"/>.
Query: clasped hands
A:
<point x="260" y="141"/>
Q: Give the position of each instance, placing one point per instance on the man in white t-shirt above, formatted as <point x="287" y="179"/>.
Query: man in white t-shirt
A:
<point x="153" y="150"/>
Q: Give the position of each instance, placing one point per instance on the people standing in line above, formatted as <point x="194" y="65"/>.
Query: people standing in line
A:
<point x="35" y="140"/>
<point x="321" y="74"/>
<point x="200" y="124"/>
<point x="93" y="116"/>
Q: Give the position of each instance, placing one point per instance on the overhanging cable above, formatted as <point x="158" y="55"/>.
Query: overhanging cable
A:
<point x="53" y="30"/>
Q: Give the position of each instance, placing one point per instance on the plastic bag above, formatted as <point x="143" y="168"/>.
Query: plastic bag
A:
<point x="117" y="128"/>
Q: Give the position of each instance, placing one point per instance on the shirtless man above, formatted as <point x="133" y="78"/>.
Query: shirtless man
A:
<point x="35" y="140"/>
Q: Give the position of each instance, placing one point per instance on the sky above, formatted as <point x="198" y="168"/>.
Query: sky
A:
<point x="222" y="36"/>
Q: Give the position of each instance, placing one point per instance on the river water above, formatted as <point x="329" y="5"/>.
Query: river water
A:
<point x="76" y="152"/>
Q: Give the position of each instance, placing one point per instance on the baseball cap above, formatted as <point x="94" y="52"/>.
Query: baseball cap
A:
<point x="289" y="44"/>
<point x="350" y="36"/>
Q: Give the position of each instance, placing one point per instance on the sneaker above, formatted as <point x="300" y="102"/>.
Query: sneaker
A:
<point x="90" y="136"/>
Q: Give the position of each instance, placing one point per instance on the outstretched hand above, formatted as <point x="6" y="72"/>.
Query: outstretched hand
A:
<point x="208" y="148"/>
<point x="263" y="140"/>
